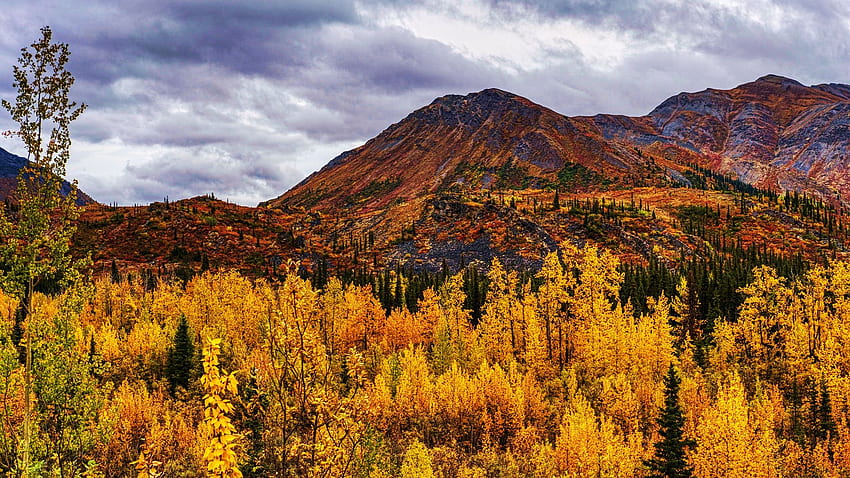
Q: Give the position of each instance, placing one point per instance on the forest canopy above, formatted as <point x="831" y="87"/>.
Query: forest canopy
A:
<point x="562" y="381"/>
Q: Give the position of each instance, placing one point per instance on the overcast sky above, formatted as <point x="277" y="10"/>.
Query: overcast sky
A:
<point x="246" y="98"/>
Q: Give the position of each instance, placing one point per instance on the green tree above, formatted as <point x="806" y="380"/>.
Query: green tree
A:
<point x="669" y="460"/>
<point x="68" y="395"/>
<point x="180" y="362"/>
<point x="823" y="425"/>
<point x="114" y="275"/>
<point x="35" y="238"/>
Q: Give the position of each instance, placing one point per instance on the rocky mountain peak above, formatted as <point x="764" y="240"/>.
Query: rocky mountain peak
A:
<point x="778" y="80"/>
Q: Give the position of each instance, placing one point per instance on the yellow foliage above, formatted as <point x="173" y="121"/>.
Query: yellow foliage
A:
<point x="147" y="467"/>
<point x="563" y="381"/>
<point x="417" y="462"/>
<point x="221" y="452"/>
<point x="734" y="440"/>
<point x="589" y="445"/>
<point x="498" y="329"/>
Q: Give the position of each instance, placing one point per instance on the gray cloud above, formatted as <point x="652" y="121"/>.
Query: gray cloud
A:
<point x="195" y="171"/>
<point x="246" y="98"/>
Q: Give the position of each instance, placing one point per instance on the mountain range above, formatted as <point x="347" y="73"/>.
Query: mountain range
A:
<point x="773" y="133"/>
<point x="479" y="176"/>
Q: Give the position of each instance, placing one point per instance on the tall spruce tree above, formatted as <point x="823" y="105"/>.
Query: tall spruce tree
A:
<point x="669" y="460"/>
<point x="114" y="275"/>
<point x="823" y="425"/>
<point x="181" y="355"/>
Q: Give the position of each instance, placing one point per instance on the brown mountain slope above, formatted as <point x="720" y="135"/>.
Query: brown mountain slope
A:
<point x="491" y="139"/>
<point x="774" y="133"/>
<point x="11" y="164"/>
<point x="474" y="177"/>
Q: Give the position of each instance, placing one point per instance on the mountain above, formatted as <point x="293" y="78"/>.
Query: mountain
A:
<point x="774" y="133"/>
<point x="492" y="174"/>
<point x="11" y="164"/>
<point x="491" y="139"/>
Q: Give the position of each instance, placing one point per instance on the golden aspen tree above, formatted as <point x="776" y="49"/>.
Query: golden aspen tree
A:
<point x="835" y="335"/>
<point x="502" y="401"/>
<point x="553" y="299"/>
<point x="312" y="424"/>
<point x="762" y="327"/>
<point x="222" y="304"/>
<point x="813" y="309"/>
<point x="598" y="284"/>
<point x="618" y="399"/>
<point x="221" y="452"/>
<point x="734" y="441"/>
<point x="497" y="328"/>
<point x="458" y="406"/>
<point x="454" y="339"/>
<point x="414" y="396"/>
<point x="402" y="329"/>
<point x="536" y="354"/>
<point x="651" y="347"/>
<point x="417" y="462"/>
<point x="334" y="314"/>
<point x="429" y="314"/>
<point x="125" y="423"/>
<point x="589" y="445"/>
<point x="596" y="339"/>
<point x="365" y="318"/>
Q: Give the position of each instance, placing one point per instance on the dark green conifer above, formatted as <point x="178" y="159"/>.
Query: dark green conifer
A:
<point x="18" y="329"/>
<point x="181" y="355"/>
<point x="669" y="460"/>
<point x="398" y="296"/>
<point x="822" y="424"/>
<point x="114" y="275"/>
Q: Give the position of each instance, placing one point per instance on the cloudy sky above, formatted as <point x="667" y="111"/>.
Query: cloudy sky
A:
<point x="244" y="98"/>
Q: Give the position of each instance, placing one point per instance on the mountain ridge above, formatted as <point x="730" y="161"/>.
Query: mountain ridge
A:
<point x="472" y="177"/>
<point x="755" y="131"/>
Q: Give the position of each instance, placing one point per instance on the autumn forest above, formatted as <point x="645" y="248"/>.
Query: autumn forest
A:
<point x="287" y="380"/>
<point x="728" y="363"/>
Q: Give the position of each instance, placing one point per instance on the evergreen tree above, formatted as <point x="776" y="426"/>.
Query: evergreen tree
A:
<point x="181" y="355"/>
<point x="398" y="296"/>
<point x="114" y="275"/>
<point x="823" y="425"/>
<point x="556" y="203"/>
<point x="669" y="460"/>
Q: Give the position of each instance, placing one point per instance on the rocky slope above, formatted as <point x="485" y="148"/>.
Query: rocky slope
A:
<point x="774" y="133"/>
<point x="474" y="177"/>
<point x="491" y="140"/>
